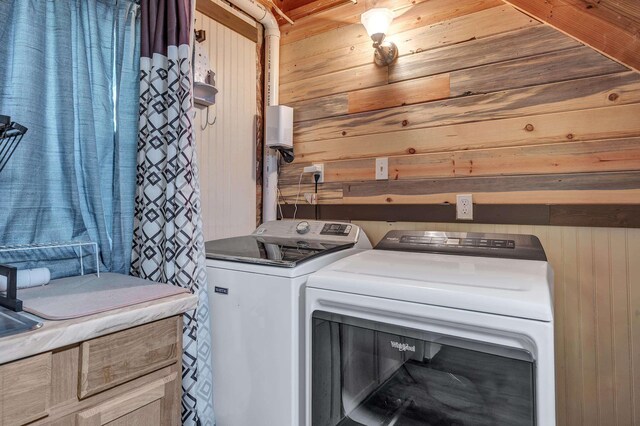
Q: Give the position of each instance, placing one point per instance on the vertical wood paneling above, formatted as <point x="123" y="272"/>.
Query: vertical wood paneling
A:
<point x="596" y="316"/>
<point x="587" y="325"/>
<point x="633" y="283"/>
<point x="226" y="150"/>
<point x="619" y="281"/>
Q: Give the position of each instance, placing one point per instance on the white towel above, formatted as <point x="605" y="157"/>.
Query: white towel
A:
<point x="28" y="278"/>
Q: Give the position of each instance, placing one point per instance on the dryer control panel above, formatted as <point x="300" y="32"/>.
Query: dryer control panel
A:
<point x="509" y="246"/>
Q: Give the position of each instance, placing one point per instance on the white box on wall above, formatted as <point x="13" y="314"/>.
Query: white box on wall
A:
<point x="279" y="131"/>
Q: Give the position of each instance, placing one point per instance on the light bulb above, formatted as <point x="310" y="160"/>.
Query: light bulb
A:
<point x="377" y="21"/>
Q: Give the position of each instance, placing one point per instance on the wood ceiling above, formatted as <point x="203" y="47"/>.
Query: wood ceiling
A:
<point x="611" y="27"/>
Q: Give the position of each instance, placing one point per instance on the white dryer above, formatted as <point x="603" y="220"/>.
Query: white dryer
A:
<point x="433" y="328"/>
<point x="256" y="297"/>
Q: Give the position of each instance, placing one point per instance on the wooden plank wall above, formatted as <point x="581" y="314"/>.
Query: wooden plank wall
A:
<point x="597" y="316"/>
<point x="483" y="98"/>
<point x="486" y="99"/>
<point x="610" y="26"/>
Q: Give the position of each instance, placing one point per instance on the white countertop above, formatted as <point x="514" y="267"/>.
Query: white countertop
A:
<point x="57" y="334"/>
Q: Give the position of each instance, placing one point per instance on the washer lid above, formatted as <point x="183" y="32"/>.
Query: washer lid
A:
<point x="509" y="287"/>
<point x="282" y="252"/>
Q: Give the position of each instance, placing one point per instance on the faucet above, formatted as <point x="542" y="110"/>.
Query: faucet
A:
<point x="10" y="299"/>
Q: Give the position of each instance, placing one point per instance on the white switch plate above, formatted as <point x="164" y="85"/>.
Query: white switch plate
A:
<point x="464" y="207"/>
<point x="382" y="168"/>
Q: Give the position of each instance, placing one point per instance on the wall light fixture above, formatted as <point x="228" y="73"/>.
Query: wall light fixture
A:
<point x="376" y="22"/>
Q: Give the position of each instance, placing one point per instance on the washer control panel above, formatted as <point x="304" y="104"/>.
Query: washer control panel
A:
<point x="336" y="229"/>
<point x="311" y="230"/>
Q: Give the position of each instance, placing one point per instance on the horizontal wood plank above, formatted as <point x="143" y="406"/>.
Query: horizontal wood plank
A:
<point x="321" y="22"/>
<point x="342" y="81"/>
<point x="568" y="157"/>
<point x="623" y="88"/>
<point x="507" y="46"/>
<point x="559" y="66"/>
<point x="601" y="123"/>
<point x="581" y="188"/>
<point x="403" y="93"/>
<point x="312" y="8"/>
<point x="579" y="157"/>
<point x="591" y="215"/>
<point x="228" y="19"/>
<point x="583" y="24"/>
<point x="297" y="62"/>
<point x="346" y="30"/>
<point x="326" y="106"/>
<point x="623" y="216"/>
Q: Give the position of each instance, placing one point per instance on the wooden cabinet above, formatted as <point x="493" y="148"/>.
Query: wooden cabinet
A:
<point x="146" y="405"/>
<point x="117" y="358"/>
<point x="130" y="377"/>
<point x="24" y="390"/>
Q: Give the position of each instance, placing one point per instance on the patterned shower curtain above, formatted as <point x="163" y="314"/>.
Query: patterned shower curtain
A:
<point x="168" y="242"/>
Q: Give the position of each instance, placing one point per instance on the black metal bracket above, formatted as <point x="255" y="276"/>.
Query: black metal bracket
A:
<point x="10" y="299"/>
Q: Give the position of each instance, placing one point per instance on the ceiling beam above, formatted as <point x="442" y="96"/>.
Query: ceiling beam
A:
<point x="611" y="30"/>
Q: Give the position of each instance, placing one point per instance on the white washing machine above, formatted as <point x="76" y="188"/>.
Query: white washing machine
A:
<point x="433" y="328"/>
<point x="256" y="296"/>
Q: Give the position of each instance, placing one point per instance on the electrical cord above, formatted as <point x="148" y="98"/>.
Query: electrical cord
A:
<point x="295" y="207"/>
<point x="280" y="198"/>
<point x="316" y="178"/>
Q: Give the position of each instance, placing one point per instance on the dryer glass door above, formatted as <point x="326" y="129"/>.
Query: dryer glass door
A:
<point x="373" y="374"/>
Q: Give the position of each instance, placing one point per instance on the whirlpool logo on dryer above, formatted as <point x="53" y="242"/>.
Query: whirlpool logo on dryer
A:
<point x="402" y="347"/>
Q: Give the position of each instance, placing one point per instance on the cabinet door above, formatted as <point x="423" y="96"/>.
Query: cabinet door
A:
<point x="156" y="403"/>
<point x="109" y="361"/>
<point x="24" y="390"/>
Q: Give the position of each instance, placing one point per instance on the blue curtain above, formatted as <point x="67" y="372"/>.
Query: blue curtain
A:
<point x="69" y="73"/>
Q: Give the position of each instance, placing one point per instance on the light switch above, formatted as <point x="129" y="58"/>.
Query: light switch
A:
<point x="382" y="168"/>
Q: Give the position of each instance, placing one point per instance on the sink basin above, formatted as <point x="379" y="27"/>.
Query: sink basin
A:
<point x="14" y="323"/>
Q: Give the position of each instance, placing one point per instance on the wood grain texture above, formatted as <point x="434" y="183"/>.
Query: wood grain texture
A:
<point x="226" y="18"/>
<point x="558" y="97"/>
<point x="503" y="47"/>
<point x="585" y="93"/>
<point x="404" y="93"/>
<point x="125" y="407"/>
<point x="601" y="123"/>
<point x="326" y="106"/>
<point x="298" y="62"/>
<point x="64" y="376"/>
<point x="110" y="360"/>
<point x="148" y="415"/>
<point x="342" y="81"/>
<point x="602" y="188"/>
<point x="300" y="11"/>
<point x="321" y="22"/>
<point x="586" y="22"/>
<point x="588" y="215"/>
<point x="559" y="66"/>
<point x="25" y="389"/>
<point x="569" y="157"/>
<point x="345" y="20"/>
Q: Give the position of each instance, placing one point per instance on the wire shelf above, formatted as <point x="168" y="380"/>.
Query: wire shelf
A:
<point x="11" y="134"/>
<point x="66" y="244"/>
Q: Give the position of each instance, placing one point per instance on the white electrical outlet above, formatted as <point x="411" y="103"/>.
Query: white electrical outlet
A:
<point x="316" y="168"/>
<point x="382" y="168"/>
<point x="464" y="207"/>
